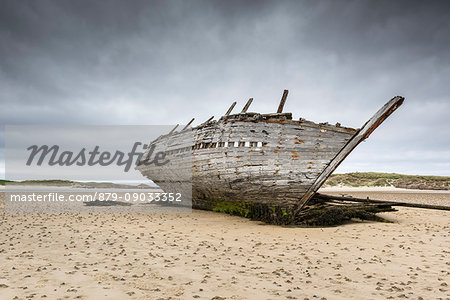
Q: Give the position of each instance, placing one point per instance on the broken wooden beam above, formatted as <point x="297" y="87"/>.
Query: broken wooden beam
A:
<point x="282" y="102"/>
<point x="247" y="105"/>
<point x="176" y="126"/>
<point x="188" y="124"/>
<point x="231" y="108"/>
<point x="207" y="121"/>
<point x="391" y="203"/>
<point x="359" y="136"/>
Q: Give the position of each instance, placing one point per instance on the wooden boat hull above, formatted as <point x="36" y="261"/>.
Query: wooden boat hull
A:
<point x="255" y="158"/>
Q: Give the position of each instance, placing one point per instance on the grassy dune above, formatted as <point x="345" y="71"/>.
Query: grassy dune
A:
<point x="390" y="179"/>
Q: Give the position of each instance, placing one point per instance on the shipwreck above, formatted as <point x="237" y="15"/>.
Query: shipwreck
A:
<point x="264" y="166"/>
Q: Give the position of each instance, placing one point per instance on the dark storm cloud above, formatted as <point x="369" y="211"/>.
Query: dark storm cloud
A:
<point x="164" y="62"/>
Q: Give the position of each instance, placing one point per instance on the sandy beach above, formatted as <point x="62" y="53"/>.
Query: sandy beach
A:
<point x="208" y="255"/>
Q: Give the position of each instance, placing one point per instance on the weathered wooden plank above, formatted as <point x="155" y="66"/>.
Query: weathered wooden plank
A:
<point x="247" y="105"/>
<point x="391" y="203"/>
<point x="282" y="102"/>
<point x="230" y="109"/>
<point x="176" y="126"/>
<point x="207" y="121"/>
<point x="361" y="135"/>
<point x="188" y="124"/>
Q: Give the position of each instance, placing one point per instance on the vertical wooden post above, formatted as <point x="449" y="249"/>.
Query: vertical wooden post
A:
<point x="247" y="105"/>
<point x="283" y="100"/>
<point x="230" y="109"/>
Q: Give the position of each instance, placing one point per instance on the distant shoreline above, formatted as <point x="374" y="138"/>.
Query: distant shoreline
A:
<point x="75" y="184"/>
<point x="373" y="179"/>
<point x="330" y="189"/>
<point x="386" y="181"/>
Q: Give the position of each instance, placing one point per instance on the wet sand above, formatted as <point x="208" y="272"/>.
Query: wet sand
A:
<point x="207" y="255"/>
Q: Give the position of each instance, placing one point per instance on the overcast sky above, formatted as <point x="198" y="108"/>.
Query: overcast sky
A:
<point x="164" y="62"/>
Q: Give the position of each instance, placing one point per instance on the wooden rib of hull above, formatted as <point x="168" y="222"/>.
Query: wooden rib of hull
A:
<point x="360" y="136"/>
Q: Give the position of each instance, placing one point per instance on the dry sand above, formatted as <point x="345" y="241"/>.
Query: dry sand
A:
<point x="207" y="255"/>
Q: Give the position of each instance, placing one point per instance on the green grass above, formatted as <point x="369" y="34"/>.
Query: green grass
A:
<point x="389" y="179"/>
<point x="2" y="181"/>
